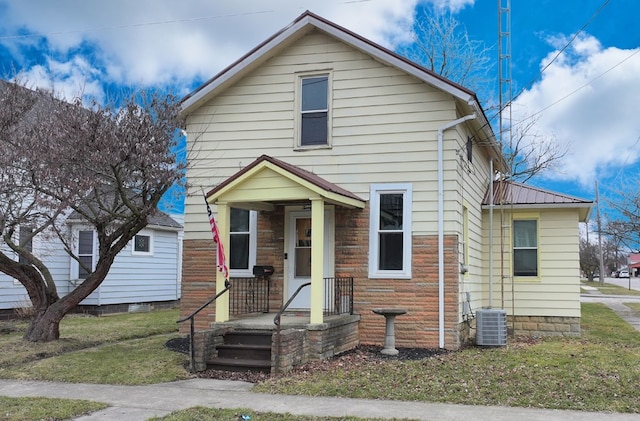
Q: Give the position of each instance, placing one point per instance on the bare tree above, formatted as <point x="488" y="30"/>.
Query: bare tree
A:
<point x="529" y="153"/>
<point x="589" y="260"/>
<point x="442" y="44"/>
<point x="107" y="167"/>
<point x="624" y="229"/>
<point x="619" y="241"/>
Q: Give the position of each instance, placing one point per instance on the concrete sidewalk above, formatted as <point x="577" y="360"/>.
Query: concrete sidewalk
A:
<point x="133" y="403"/>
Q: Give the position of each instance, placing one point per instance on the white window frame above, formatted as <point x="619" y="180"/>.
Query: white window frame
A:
<point x="376" y="190"/>
<point x="145" y="233"/>
<point x="536" y="248"/>
<point x="253" y="245"/>
<point x="298" y="107"/>
<point x="75" y="265"/>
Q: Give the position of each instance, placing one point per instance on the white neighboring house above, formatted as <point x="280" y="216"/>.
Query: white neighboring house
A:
<point x="147" y="270"/>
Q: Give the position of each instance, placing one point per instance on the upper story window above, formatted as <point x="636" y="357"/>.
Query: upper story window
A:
<point x="525" y="247"/>
<point x="314" y="111"/>
<point x="142" y="243"/>
<point x="390" y="231"/>
<point x="243" y="242"/>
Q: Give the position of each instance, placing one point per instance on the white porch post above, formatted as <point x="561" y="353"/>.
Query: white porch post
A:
<point x="224" y="222"/>
<point x="317" y="260"/>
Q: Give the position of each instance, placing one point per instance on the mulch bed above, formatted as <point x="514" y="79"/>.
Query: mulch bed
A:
<point x="361" y="355"/>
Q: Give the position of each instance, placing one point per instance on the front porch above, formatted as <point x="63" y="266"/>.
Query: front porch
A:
<point x="258" y="344"/>
<point x="295" y="242"/>
<point x="258" y="339"/>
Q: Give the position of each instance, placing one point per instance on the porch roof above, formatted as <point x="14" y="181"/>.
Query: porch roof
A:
<point x="521" y="196"/>
<point x="267" y="180"/>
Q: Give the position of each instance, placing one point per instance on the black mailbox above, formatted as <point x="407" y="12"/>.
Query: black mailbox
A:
<point x="262" y="271"/>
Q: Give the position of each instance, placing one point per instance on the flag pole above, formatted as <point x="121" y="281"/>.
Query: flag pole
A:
<point x="220" y="255"/>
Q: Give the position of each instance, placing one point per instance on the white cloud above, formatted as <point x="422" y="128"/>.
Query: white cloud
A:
<point x="587" y="100"/>
<point x="151" y="42"/>
<point x="68" y="80"/>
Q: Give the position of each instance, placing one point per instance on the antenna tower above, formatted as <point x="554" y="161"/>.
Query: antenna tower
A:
<point x="504" y="134"/>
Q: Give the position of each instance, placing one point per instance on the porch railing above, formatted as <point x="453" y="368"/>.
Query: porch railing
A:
<point x="227" y="287"/>
<point x="338" y="296"/>
<point x="249" y="295"/>
<point x="338" y="299"/>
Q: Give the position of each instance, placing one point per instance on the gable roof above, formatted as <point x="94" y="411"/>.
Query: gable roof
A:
<point x="307" y="22"/>
<point x="108" y="196"/>
<point x="158" y="219"/>
<point x="296" y="30"/>
<point x="522" y="196"/>
<point x="310" y="181"/>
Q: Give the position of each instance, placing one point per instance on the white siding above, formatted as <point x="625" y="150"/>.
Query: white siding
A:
<point x="142" y="278"/>
<point x="132" y="278"/>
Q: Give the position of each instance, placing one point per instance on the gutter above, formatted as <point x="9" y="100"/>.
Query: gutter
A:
<point x="441" y="223"/>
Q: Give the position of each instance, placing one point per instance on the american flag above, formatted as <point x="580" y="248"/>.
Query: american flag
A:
<point x="222" y="263"/>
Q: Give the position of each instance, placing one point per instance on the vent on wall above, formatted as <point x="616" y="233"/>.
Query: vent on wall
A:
<point x="491" y="327"/>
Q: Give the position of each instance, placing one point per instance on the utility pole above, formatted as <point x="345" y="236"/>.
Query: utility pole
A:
<point x="599" y="236"/>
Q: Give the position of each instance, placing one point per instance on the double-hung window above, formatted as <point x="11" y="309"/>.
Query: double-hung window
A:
<point x="314" y="111"/>
<point x="390" y="231"/>
<point x="242" y="234"/>
<point x="85" y="253"/>
<point x="525" y="247"/>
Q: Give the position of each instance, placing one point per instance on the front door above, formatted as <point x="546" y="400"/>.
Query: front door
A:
<point x="299" y="256"/>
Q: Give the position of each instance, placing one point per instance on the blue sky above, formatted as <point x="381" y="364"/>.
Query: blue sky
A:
<point x="586" y="100"/>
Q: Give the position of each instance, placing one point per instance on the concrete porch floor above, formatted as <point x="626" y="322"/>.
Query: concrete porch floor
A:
<point x="264" y="321"/>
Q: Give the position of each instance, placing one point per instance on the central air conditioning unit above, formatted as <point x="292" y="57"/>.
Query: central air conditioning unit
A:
<point x="491" y="327"/>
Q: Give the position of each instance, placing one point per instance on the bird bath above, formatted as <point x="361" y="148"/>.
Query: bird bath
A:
<point x="390" y="330"/>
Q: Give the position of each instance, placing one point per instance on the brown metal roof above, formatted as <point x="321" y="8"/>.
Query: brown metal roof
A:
<point x="512" y="193"/>
<point x="297" y="171"/>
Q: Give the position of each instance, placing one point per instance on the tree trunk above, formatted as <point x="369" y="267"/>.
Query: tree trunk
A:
<point x="44" y="327"/>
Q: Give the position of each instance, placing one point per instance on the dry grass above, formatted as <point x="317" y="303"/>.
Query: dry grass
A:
<point x="597" y="372"/>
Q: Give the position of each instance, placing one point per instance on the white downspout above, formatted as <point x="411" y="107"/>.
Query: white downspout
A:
<point x="491" y="193"/>
<point x="441" y="223"/>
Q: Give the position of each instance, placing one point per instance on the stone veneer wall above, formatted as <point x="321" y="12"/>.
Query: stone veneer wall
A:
<point x="419" y="295"/>
<point x="545" y="326"/>
<point x="315" y="342"/>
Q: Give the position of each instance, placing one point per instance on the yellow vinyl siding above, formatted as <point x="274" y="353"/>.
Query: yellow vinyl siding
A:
<point x="383" y="129"/>
<point x="553" y="292"/>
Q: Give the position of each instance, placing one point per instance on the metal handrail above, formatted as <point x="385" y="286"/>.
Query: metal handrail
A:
<point x="227" y="287"/>
<point x="276" y="321"/>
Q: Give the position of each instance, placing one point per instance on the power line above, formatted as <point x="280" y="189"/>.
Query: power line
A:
<point x="579" y="88"/>
<point x="133" y="25"/>
<point x="155" y="23"/>
<point x="532" y="81"/>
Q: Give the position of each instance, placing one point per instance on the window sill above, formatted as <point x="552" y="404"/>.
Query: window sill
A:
<point x="311" y="148"/>
<point x="389" y="275"/>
